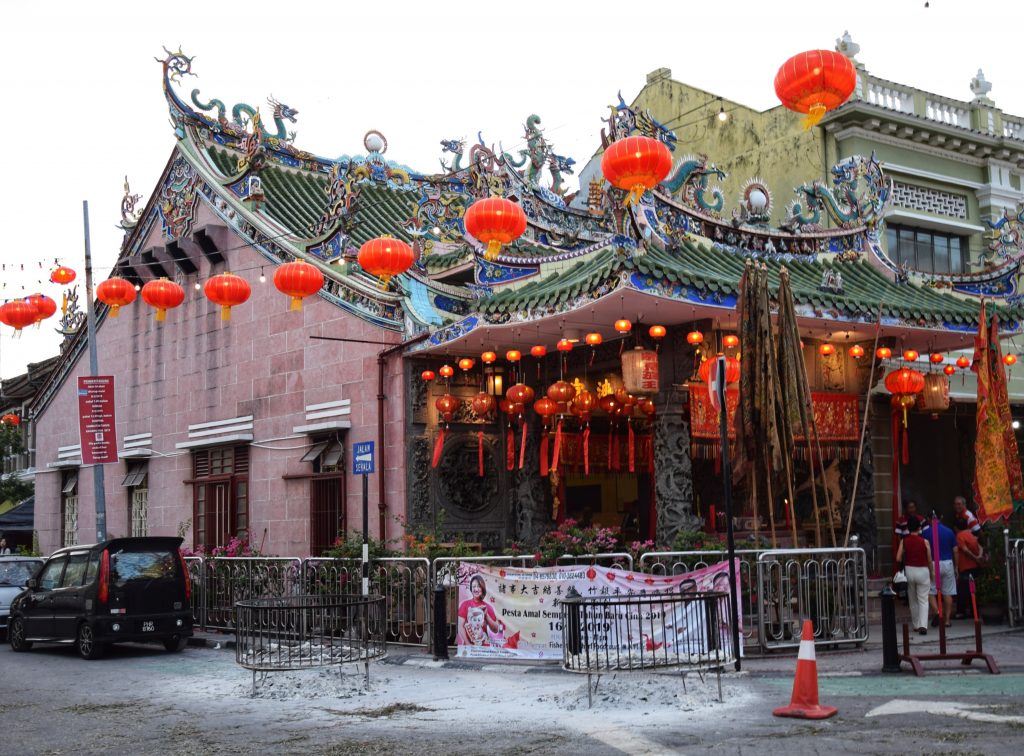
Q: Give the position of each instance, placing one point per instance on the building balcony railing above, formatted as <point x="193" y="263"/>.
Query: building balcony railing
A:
<point x="887" y="96"/>
<point x="947" y="112"/>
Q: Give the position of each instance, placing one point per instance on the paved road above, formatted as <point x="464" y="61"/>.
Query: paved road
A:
<point x="141" y="700"/>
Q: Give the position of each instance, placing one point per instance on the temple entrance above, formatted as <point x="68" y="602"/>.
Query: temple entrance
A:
<point x="612" y="500"/>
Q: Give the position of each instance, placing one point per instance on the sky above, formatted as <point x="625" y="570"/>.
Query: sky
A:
<point x="83" y="106"/>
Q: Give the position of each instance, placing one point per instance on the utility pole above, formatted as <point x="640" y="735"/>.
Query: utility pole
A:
<point x="90" y="324"/>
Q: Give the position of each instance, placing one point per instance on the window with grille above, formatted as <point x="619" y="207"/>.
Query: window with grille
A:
<point x="136" y="481"/>
<point x="926" y="250"/>
<point x="220" y="495"/>
<point x="69" y="508"/>
<point x="326" y="494"/>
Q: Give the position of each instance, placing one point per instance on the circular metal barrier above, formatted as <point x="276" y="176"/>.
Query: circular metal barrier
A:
<point x="303" y="632"/>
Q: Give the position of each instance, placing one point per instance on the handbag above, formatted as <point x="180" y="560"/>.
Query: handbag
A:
<point x="899" y="577"/>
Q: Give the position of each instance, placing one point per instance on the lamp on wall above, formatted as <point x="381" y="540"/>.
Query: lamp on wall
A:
<point x="495" y="380"/>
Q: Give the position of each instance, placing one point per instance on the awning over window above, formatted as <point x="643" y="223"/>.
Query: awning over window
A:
<point x="315" y="451"/>
<point x="136" y="475"/>
<point x="70" y="483"/>
<point x="328" y="452"/>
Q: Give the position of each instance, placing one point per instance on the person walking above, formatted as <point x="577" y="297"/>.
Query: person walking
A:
<point x="949" y="556"/>
<point x="971" y="554"/>
<point x="916" y="554"/>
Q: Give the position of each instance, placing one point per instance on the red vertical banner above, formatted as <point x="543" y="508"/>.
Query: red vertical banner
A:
<point x="96" y="422"/>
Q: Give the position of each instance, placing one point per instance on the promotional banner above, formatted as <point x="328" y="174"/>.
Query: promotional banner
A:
<point x="515" y="612"/>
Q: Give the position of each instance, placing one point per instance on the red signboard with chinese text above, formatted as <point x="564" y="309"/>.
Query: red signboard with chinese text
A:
<point x="96" y="424"/>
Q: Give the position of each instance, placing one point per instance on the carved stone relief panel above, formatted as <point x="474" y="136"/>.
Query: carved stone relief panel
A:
<point x="673" y="475"/>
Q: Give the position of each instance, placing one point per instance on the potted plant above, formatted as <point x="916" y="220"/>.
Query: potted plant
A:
<point x="990" y="593"/>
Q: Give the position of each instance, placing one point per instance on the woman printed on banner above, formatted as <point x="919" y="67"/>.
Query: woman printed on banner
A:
<point x="477" y="617"/>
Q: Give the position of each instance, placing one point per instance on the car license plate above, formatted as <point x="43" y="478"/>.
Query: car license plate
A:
<point x="148" y="626"/>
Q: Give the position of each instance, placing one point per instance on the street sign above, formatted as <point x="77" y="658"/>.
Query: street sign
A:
<point x="362" y="458"/>
<point x="96" y="425"/>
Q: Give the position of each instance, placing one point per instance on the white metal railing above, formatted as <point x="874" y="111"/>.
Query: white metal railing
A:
<point x="947" y="112"/>
<point x="887" y="96"/>
<point x="1014" y="577"/>
<point x="1013" y="129"/>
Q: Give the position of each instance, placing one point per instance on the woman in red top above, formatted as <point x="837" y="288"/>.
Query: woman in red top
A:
<point x="916" y="556"/>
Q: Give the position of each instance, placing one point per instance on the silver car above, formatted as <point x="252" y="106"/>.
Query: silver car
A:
<point x="14" y="571"/>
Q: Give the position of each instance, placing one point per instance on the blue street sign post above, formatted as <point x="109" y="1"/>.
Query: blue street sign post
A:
<point x="364" y="463"/>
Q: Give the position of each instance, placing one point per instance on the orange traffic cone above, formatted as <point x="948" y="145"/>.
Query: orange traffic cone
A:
<point x="804" y="703"/>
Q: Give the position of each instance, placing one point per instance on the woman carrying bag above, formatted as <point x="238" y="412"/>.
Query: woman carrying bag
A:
<point x="916" y="554"/>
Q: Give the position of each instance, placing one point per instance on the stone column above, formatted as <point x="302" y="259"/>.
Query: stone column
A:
<point x="673" y="472"/>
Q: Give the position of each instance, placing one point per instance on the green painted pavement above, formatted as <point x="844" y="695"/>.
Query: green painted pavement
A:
<point x="954" y="685"/>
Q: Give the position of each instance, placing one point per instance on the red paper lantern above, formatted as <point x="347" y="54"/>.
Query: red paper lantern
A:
<point x="385" y="257"/>
<point x="11" y="419"/>
<point x="446" y="406"/>
<point x="949" y="370"/>
<point x="636" y="164"/>
<point x="519" y="393"/>
<point x="561" y="392"/>
<point x="446" y="371"/>
<point x="963" y="362"/>
<point x="904" y="385"/>
<point x="815" y="82"/>
<point x="45" y="306"/>
<point x="624" y="397"/>
<point x="623" y="326"/>
<point x="593" y="339"/>
<point x="732" y="369"/>
<point x="694" y="338"/>
<point x="62" y="275"/>
<point x="910" y="355"/>
<point x="513" y="355"/>
<point x="731" y="340"/>
<point x="856" y="351"/>
<point x="163" y="295"/>
<point x="609" y="404"/>
<point x="18" y="314"/>
<point x="564" y="345"/>
<point x="647" y="406"/>
<point x="826" y="349"/>
<point x="657" y="331"/>
<point x="488" y="357"/>
<point x="428" y="375"/>
<point x="466" y="363"/>
<point x="936" y="358"/>
<point x="482" y="404"/>
<point x="538" y="351"/>
<point x="115" y="293"/>
<point x="495" y="221"/>
<point x="883" y="353"/>
<point x="1009" y="359"/>
<point x="583" y="404"/>
<point x="545" y="407"/>
<point x="298" y="279"/>
<point x="227" y="290"/>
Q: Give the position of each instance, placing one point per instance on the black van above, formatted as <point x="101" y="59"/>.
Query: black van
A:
<point x="124" y="589"/>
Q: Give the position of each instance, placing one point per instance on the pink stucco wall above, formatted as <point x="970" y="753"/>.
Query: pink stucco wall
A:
<point x="194" y="368"/>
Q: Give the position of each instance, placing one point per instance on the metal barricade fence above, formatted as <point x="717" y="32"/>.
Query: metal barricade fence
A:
<point x="668" y="563"/>
<point x="196" y="572"/>
<point x="1014" y="548"/>
<point x="404" y="582"/>
<point x="826" y="586"/>
<point x="620" y="559"/>
<point x="228" y="580"/>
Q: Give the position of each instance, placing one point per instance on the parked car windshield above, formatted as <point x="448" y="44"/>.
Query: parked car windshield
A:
<point x="16" y="573"/>
<point x="128" y="566"/>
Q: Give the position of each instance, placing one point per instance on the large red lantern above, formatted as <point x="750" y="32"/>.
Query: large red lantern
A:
<point x="636" y="164"/>
<point x="45" y="306"/>
<point x="519" y="393"/>
<point x="446" y="406"/>
<point x="227" y="290"/>
<point x="545" y="408"/>
<point x="583" y="404"/>
<point x="10" y="419"/>
<point x="385" y="257"/>
<point x="115" y="293"/>
<point x="62" y="275"/>
<point x="904" y="384"/>
<point x="18" y="314"/>
<point x="815" y="82"/>
<point x="640" y="371"/>
<point x="495" y="221"/>
<point x="298" y="279"/>
<point x="561" y="392"/>
<point x="163" y="295"/>
<point x="482" y="404"/>
<point x="732" y="369"/>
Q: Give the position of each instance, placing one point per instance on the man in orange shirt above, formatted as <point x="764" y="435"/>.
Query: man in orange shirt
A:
<point x="971" y="555"/>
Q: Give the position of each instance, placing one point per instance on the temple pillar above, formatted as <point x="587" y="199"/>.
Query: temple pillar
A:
<point x="673" y="474"/>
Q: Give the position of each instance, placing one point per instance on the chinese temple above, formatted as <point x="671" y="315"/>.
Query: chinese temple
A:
<point x="543" y="359"/>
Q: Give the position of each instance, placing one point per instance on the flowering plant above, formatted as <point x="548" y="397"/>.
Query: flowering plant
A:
<point x="697" y="540"/>
<point x="577" y="540"/>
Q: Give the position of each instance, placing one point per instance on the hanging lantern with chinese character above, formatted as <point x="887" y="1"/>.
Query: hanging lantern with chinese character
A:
<point x="227" y="290"/>
<point x="636" y="164"/>
<point x="815" y="82"/>
<point x="385" y="257"/>
<point x="640" y="371"/>
<point x="115" y="293"/>
<point x="298" y="280"/>
<point x="495" y="221"/>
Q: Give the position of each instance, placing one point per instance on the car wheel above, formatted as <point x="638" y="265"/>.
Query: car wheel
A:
<point x="86" y="643"/>
<point x="175" y="644"/>
<point x="16" y="635"/>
